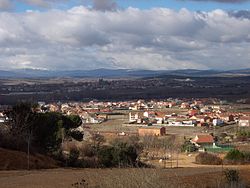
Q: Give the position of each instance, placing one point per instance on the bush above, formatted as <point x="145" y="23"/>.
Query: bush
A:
<point x="208" y="159"/>
<point x="77" y="135"/>
<point x="124" y="154"/>
<point x="188" y="147"/>
<point x="73" y="157"/>
<point x="120" y="154"/>
<point x="234" y="156"/>
<point x="232" y="176"/>
<point x="243" y="135"/>
<point x="87" y="150"/>
<point x="105" y="156"/>
<point x="237" y="157"/>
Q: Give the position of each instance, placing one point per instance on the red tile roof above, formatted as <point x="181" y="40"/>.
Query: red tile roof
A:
<point x="203" y="139"/>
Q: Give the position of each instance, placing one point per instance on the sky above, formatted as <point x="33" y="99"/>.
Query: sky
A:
<point x="129" y="34"/>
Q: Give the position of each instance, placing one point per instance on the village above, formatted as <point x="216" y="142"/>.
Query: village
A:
<point x="209" y="124"/>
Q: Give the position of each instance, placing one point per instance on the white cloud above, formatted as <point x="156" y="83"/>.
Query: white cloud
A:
<point x="83" y="38"/>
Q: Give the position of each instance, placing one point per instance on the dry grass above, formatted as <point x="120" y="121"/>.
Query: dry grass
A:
<point x="11" y="160"/>
<point x="119" y="178"/>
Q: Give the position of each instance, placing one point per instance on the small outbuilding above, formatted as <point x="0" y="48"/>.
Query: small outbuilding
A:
<point x="152" y="131"/>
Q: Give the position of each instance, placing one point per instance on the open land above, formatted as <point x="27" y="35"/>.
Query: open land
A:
<point x="85" y="89"/>
<point x="145" y="178"/>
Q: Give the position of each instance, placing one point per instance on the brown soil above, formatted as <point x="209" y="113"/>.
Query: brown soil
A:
<point x="16" y="160"/>
<point x="119" y="178"/>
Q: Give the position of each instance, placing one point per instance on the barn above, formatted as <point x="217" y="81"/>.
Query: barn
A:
<point x="151" y="131"/>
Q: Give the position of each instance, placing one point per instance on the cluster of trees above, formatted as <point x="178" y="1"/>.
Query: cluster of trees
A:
<point x="97" y="154"/>
<point x="119" y="154"/>
<point x="39" y="132"/>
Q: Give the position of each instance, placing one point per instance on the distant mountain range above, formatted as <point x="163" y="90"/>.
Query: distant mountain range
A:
<point x="119" y="73"/>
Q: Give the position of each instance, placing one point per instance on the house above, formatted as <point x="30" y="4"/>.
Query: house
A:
<point x="205" y="110"/>
<point x="102" y="116"/>
<point x="184" y="105"/>
<point x="226" y="117"/>
<point x="188" y="123"/>
<point x="90" y="118"/>
<point x="202" y="120"/>
<point x="136" y="117"/>
<point x="160" y="117"/>
<point x="244" y="121"/>
<point x="54" y="108"/>
<point x="203" y="140"/>
<point x="151" y="131"/>
<point x="218" y="122"/>
<point x="193" y="112"/>
<point x="2" y="117"/>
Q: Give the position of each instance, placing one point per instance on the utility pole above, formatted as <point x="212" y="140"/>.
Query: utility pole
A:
<point x="171" y="161"/>
<point x="177" y="159"/>
<point x="28" y="162"/>
<point x="28" y="149"/>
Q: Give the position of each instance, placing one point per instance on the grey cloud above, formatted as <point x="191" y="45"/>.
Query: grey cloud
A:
<point x="240" y="14"/>
<point x="104" y="5"/>
<point x="84" y="38"/>
<point x="44" y="3"/>
<point x="5" y="5"/>
<point x="223" y="1"/>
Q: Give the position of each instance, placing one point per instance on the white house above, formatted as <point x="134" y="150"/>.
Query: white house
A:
<point x="244" y="121"/>
<point x="2" y="117"/>
<point x="217" y="122"/>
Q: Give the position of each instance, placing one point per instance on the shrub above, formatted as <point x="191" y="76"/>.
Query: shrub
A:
<point x="81" y="184"/>
<point x="120" y="154"/>
<point x="188" y="147"/>
<point x="77" y="135"/>
<point x="124" y="154"/>
<point x="234" y="156"/>
<point x="73" y="157"/>
<point x="247" y="157"/>
<point x="105" y="156"/>
<point x="233" y="178"/>
<point x="237" y="157"/>
<point x="243" y="135"/>
<point x="87" y="150"/>
<point x="208" y="159"/>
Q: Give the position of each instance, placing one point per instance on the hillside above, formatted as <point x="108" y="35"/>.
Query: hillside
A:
<point x="16" y="160"/>
<point x="119" y="73"/>
<point x="119" y="178"/>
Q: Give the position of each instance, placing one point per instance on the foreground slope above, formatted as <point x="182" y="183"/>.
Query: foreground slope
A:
<point x="13" y="160"/>
<point x="119" y="178"/>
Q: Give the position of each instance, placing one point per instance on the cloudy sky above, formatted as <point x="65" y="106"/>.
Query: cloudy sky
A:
<point x="133" y="34"/>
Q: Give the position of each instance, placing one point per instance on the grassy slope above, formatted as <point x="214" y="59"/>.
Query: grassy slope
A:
<point x="13" y="160"/>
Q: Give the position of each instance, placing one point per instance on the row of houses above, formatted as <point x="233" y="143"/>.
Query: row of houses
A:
<point x="190" y="119"/>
